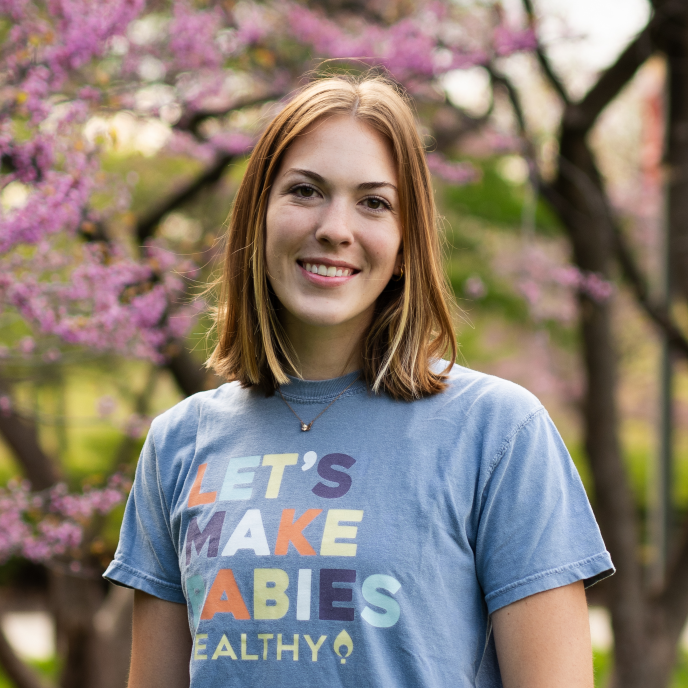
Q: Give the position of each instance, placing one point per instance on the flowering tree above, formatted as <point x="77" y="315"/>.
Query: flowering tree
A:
<point x="80" y="271"/>
<point x="77" y="270"/>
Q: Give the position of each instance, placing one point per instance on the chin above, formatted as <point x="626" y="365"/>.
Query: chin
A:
<point x="322" y="319"/>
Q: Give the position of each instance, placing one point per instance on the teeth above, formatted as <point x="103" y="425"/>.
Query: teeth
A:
<point x="327" y="270"/>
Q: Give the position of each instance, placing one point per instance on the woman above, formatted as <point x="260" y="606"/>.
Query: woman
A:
<point x="351" y="510"/>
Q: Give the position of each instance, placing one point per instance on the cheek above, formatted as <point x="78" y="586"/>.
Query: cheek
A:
<point x="384" y="250"/>
<point x="276" y="240"/>
<point x="284" y="229"/>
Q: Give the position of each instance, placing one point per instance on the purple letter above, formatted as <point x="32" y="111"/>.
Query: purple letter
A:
<point x="212" y="531"/>
<point x="330" y="594"/>
<point x="326" y="471"/>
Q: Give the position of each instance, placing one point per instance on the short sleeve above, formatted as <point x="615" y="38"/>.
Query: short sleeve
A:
<point x="536" y="529"/>
<point x="146" y="558"/>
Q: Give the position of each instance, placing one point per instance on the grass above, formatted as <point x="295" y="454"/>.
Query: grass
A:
<point x="48" y="668"/>
<point x="602" y="663"/>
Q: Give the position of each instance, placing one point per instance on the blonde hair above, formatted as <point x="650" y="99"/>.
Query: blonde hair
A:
<point x="412" y="325"/>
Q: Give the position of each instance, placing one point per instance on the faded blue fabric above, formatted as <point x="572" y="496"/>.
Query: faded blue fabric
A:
<point x="368" y="551"/>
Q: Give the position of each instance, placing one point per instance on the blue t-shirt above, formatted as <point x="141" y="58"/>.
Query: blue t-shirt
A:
<point x="368" y="551"/>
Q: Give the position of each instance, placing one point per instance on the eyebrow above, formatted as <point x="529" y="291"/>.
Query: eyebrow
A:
<point x="319" y="178"/>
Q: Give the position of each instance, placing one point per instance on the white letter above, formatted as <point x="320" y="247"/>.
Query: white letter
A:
<point x="303" y="596"/>
<point x="249" y="534"/>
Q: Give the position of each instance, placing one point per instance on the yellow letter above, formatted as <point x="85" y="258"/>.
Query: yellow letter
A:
<point x="329" y="547"/>
<point x="315" y="647"/>
<point x="265" y="637"/>
<point x="288" y="648"/>
<point x="278" y="462"/>
<point x="261" y="593"/>
<point x="224" y="649"/>
<point x="243" y="649"/>
<point x="200" y="636"/>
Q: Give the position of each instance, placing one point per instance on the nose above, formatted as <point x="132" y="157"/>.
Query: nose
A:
<point x="336" y="225"/>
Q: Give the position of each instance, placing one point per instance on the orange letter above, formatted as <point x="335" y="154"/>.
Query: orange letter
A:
<point x="197" y="497"/>
<point x="224" y="584"/>
<point x="289" y="531"/>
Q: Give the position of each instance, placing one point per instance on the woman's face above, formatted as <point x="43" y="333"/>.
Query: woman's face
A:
<point x="333" y="234"/>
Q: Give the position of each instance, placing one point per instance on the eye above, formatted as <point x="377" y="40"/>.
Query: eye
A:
<point x="303" y="191"/>
<point x="376" y="203"/>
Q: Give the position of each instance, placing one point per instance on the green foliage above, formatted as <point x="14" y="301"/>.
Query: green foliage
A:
<point x="602" y="663"/>
<point x="499" y="201"/>
<point x="47" y="668"/>
<point x="156" y="177"/>
<point x="680" y="679"/>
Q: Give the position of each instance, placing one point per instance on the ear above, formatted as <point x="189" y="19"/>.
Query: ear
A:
<point x="398" y="263"/>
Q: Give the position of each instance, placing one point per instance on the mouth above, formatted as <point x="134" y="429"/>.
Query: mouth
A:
<point x="327" y="269"/>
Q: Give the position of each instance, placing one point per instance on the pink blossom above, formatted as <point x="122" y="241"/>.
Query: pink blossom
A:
<point x="26" y="345"/>
<point x="109" y="303"/>
<point x="454" y="172"/>
<point x="507" y="40"/>
<point x="234" y="143"/>
<point x="192" y="37"/>
<point x="106" y="406"/>
<point x="42" y="527"/>
<point x="136" y="425"/>
<point x="52" y="355"/>
<point x="547" y="283"/>
<point x="474" y="287"/>
<point x="252" y="25"/>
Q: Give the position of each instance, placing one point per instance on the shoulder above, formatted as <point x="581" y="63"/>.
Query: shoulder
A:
<point x="172" y="440"/>
<point x="179" y="425"/>
<point x="490" y="399"/>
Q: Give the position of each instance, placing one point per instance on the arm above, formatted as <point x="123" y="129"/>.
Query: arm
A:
<point x="161" y="644"/>
<point x="543" y="641"/>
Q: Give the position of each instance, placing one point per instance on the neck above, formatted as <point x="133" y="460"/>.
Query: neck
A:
<point x="326" y="352"/>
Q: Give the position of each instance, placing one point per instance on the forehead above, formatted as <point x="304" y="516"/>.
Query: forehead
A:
<point x="342" y="146"/>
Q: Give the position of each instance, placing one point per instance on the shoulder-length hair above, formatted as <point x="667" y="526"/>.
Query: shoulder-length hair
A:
<point x="412" y="327"/>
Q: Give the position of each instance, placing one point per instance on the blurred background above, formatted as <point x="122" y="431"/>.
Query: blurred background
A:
<point x="557" y="134"/>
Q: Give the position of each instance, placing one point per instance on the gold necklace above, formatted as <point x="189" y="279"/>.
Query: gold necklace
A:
<point x="305" y="427"/>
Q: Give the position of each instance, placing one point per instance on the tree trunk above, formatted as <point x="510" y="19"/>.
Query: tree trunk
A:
<point x="646" y="628"/>
<point x="675" y="43"/>
<point x="75" y="601"/>
<point x="113" y="626"/>
<point x="21" y="674"/>
<point x="21" y="436"/>
<point x="582" y="207"/>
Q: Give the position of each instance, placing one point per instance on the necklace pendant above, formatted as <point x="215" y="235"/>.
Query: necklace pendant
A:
<point x="305" y="428"/>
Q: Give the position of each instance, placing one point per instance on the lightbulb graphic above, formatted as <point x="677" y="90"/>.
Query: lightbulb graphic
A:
<point x="309" y="459"/>
<point x="343" y="640"/>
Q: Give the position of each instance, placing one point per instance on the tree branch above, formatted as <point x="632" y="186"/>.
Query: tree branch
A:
<point x="21" y="675"/>
<point x="188" y="374"/>
<point x="146" y="226"/>
<point x="582" y="115"/>
<point x="542" y="58"/>
<point x="599" y="204"/>
<point x="499" y="78"/>
<point x="22" y="437"/>
<point x="192" y="120"/>
<point x="659" y="315"/>
<point x="674" y="598"/>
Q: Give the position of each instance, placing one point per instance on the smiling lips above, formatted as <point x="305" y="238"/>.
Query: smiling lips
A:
<point x="327" y="270"/>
